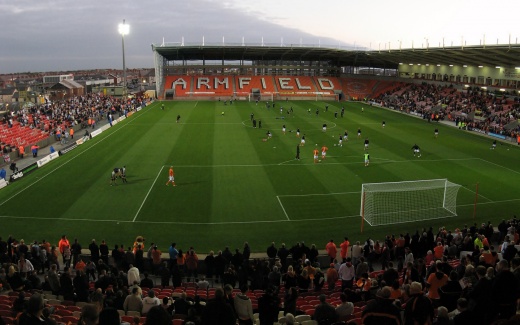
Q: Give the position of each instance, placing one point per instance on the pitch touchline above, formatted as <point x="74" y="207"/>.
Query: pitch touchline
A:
<point x="146" y="197"/>
<point x="220" y="223"/>
<point x="180" y="222"/>
<point x="71" y="159"/>
<point x="319" y="194"/>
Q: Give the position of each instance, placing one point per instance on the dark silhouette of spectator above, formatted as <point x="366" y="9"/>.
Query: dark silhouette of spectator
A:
<point x="217" y="311"/>
<point x="382" y="310"/>
<point x="268" y="306"/>
<point x="325" y="313"/>
<point x="158" y="316"/>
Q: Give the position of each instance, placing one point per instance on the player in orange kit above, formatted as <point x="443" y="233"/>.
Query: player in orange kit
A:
<point x="324" y="152"/>
<point x="171" y="177"/>
<point x="316" y="153"/>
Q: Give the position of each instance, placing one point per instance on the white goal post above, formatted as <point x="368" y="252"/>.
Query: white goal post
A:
<point x="408" y="201"/>
<point x="327" y="97"/>
<point x="260" y="97"/>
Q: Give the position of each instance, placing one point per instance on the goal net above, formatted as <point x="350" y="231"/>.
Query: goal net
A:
<point x="327" y="97"/>
<point x="399" y="202"/>
<point x="253" y="97"/>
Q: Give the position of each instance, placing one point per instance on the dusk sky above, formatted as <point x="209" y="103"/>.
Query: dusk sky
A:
<point x="58" y="35"/>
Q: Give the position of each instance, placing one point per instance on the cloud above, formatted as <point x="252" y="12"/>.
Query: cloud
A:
<point x="62" y="35"/>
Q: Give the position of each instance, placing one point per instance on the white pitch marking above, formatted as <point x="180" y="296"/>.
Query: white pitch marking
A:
<point x="146" y="197"/>
<point x="223" y="223"/>
<point x="476" y="193"/>
<point x="281" y="205"/>
<point x="319" y="194"/>
<point x="492" y="163"/>
<point x="181" y="222"/>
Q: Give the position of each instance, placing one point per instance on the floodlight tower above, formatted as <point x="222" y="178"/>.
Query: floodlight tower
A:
<point x="124" y="29"/>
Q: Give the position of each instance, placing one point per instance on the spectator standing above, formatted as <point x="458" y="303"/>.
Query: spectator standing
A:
<point x="133" y="275"/>
<point x="505" y="291"/>
<point x="173" y="252"/>
<point x="332" y="250"/>
<point x="419" y="309"/>
<point x="382" y="308"/>
<point x="133" y="301"/>
<point x="332" y="277"/>
<point x="344" y="248"/>
<point x="192" y="265"/>
<point x="67" y="288"/>
<point x="104" y="251"/>
<point x="243" y="307"/>
<point x="94" y="251"/>
<point x="76" y="251"/>
<point x="272" y="251"/>
<point x="268" y="307"/>
<point x="218" y="312"/>
<point x="324" y="313"/>
<point x="347" y="274"/>
<point x="156" y="259"/>
<point x="62" y="243"/>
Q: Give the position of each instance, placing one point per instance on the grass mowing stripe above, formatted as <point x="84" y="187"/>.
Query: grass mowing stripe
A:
<point x="144" y="200"/>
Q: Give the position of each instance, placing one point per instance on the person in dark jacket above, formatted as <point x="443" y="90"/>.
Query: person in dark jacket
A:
<point x="324" y="313"/>
<point x="217" y="311"/>
<point x="268" y="307"/>
<point x="67" y="289"/>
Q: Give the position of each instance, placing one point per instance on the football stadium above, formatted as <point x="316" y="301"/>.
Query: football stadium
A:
<point x="313" y="147"/>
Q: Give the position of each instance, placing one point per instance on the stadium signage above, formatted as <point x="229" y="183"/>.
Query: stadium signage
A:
<point x="23" y="172"/>
<point x="213" y="83"/>
<point x="47" y="158"/>
<point x="500" y="136"/>
<point x="95" y="133"/>
<point x="67" y="149"/>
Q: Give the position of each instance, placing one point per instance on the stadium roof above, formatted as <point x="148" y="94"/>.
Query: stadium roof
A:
<point x="494" y="55"/>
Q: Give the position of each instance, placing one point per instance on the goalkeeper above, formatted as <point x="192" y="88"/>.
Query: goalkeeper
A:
<point x="416" y="150"/>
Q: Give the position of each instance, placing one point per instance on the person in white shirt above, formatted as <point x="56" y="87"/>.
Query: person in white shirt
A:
<point x="25" y="266"/>
<point x="133" y="275"/>
<point x="347" y="274"/>
<point x="150" y="301"/>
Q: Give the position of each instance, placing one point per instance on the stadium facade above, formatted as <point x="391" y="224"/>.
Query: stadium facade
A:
<point x="217" y="71"/>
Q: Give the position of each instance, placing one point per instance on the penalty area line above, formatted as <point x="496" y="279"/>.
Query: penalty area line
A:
<point x="146" y="197"/>
<point x="281" y="205"/>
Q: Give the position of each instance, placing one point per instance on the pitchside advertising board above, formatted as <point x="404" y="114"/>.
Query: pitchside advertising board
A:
<point x="23" y="172"/>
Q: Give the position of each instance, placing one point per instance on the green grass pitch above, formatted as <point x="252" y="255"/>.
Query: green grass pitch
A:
<point x="232" y="186"/>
